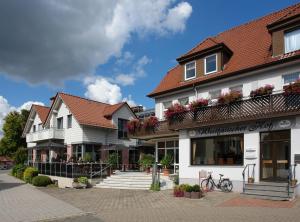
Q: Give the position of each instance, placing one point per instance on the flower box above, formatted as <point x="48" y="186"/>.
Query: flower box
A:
<point x="262" y="91"/>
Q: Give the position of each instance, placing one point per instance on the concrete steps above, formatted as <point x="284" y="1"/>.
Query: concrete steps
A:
<point x="132" y="180"/>
<point x="270" y="191"/>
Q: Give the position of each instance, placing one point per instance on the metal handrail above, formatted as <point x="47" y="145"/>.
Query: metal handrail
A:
<point x="243" y="173"/>
<point x="100" y="171"/>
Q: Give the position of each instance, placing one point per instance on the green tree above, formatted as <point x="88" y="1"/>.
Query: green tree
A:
<point x="13" y="127"/>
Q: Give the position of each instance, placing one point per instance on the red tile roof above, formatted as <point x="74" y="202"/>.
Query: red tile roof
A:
<point x="42" y="112"/>
<point x="89" y="112"/>
<point x="251" y="47"/>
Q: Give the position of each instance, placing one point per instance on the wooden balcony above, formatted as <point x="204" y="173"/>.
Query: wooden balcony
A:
<point x="160" y="131"/>
<point x="264" y="107"/>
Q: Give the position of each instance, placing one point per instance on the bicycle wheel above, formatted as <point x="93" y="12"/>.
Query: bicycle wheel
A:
<point x="226" y="185"/>
<point x="207" y="185"/>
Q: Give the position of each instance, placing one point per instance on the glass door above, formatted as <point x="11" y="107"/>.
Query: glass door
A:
<point x="275" y="155"/>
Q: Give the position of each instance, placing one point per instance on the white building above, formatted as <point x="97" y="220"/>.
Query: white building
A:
<point x="226" y="139"/>
<point x="74" y="127"/>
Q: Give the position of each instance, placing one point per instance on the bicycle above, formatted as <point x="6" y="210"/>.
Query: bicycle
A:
<point x="224" y="185"/>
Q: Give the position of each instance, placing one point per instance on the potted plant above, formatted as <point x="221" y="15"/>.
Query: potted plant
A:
<point x="150" y="123"/>
<point x="294" y="182"/>
<point x="146" y="162"/>
<point x="113" y="161"/>
<point x="133" y="126"/>
<point x="178" y="191"/>
<point x="230" y="97"/>
<point x="187" y="191"/>
<point x="292" y="88"/>
<point x="250" y="180"/>
<point x="166" y="163"/>
<point x="83" y="182"/>
<point x="196" y="192"/>
<point x="75" y="183"/>
<point x="196" y="105"/>
<point x="174" y="111"/>
<point x="262" y="91"/>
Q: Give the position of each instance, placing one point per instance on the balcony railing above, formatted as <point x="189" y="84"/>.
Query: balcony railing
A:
<point x="161" y="130"/>
<point x="271" y="106"/>
<point x="45" y="134"/>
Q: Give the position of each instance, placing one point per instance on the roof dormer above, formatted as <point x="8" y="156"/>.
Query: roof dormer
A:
<point x="285" y="34"/>
<point x="207" y="58"/>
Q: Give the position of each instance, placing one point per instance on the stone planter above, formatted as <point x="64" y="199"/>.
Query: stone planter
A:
<point x="195" y="195"/>
<point x="187" y="194"/>
<point x="250" y="180"/>
<point x="77" y="185"/>
<point x="293" y="183"/>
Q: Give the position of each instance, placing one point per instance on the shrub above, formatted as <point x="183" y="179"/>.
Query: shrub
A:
<point x="155" y="186"/>
<point x="18" y="170"/>
<point x="147" y="160"/>
<point x="20" y="156"/>
<point x="292" y="88"/>
<point x="133" y="126"/>
<point x="83" y="180"/>
<point x="29" y="174"/>
<point x="230" y="97"/>
<point x="176" y="180"/>
<point x="150" y="123"/>
<point x="113" y="159"/>
<point x="41" y="181"/>
<point x="197" y="104"/>
<point x="196" y="188"/>
<point x="188" y="188"/>
<point x="262" y="91"/>
<point x="172" y="112"/>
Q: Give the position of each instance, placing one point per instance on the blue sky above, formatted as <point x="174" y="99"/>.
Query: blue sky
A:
<point x="158" y="48"/>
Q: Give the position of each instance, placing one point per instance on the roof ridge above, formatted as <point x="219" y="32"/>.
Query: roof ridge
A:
<point x="289" y="8"/>
<point x="41" y="105"/>
<point x="292" y="10"/>
<point x="68" y="94"/>
<point x="208" y="38"/>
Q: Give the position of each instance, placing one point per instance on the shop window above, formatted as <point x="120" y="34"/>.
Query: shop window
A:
<point x="220" y="150"/>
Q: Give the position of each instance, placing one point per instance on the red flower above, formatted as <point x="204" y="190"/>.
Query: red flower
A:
<point x="174" y="110"/>
<point x="150" y="123"/>
<point x="133" y="125"/>
<point x="292" y="88"/>
<point x="262" y="91"/>
<point x="230" y="97"/>
<point x="198" y="104"/>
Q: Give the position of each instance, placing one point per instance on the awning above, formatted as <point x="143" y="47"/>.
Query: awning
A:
<point x="47" y="145"/>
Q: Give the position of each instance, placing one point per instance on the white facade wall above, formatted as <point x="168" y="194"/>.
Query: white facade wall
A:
<point x="250" y="81"/>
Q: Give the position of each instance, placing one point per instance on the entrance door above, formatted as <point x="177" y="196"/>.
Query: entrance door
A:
<point x="275" y="155"/>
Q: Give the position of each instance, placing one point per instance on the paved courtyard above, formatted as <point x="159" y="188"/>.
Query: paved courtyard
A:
<point x="129" y="205"/>
<point x="22" y="202"/>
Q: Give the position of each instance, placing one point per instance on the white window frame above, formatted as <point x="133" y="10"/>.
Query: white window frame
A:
<point x="206" y="73"/>
<point x="185" y="70"/>
<point x="188" y="100"/>
<point x="285" y="39"/>
<point x="163" y="104"/>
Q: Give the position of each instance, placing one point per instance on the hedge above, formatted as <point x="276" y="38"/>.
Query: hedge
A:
<point x="29" y="174"/>
<point x="41" y="181"/>
<point x="18" y="170"/>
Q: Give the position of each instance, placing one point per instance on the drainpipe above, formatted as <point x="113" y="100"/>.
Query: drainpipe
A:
<point x="196" y="91"/>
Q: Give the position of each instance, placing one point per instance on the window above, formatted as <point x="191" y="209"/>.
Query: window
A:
<point x="70" y="121"/>
<point x="60" y="124"/>
<point x="168" y="148"/>
<point x="184" y="101"/>
<point x="40" y="126"/>
<point x="167" y="104"/>
<point x="34" y="128"/>
<point x="78" y="151"/>
<point x="219" y="150"/>
<point x="190" y="70"/>
<point x="122" y="129"/>
<point x="292" y="41"/>
<point x="210" y="64"/>
<point x="238" y="88"/>
<point x="290" y="78"/>
<point x="214" y="94"/>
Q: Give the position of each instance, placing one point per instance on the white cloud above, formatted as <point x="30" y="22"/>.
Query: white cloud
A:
<point x="5" y="108"/>
<point x="103" y="90"/>
<point x="125" y="59"/>
<point x="137" y="72"/>
<point x="50" y="41"/>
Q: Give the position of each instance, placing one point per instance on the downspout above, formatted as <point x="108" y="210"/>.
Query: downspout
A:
<point x="196" y="91"/>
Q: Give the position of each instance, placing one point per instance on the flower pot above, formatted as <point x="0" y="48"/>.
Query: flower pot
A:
<point x="178" y="193"/>
<point x="187" y="194"/>
<point x="293" y="183"/>
<point x="250" y="180"/>
<point x="166" y="172"/>
<point x="76" y="185"/>
<point x="195" y="195"/>
<point x="83" y="185"/>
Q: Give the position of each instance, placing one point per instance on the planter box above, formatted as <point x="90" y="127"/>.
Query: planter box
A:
<point x="166" y="172"/>
<point x="195" y="195"/>
<point x="250" y="180"/>
<point x="187" y="194"/>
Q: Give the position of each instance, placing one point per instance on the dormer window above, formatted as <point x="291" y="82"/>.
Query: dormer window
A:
<point x="210" y="64"/>
<point x="292" y="41"/>
<point x="190" y="70"/>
